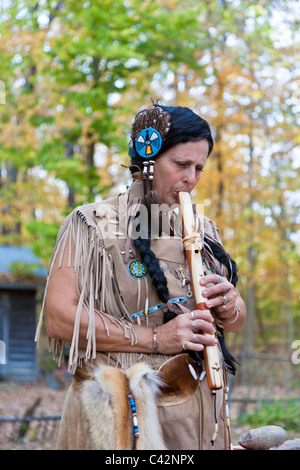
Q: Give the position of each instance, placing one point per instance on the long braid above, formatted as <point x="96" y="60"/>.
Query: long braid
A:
<point x="159" y="280"/>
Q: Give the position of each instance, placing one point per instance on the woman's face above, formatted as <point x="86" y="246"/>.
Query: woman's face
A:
<point x="179" y="169"/>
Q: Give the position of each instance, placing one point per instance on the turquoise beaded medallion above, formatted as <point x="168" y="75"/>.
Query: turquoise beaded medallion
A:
<point x="137" y="269"/>
<point x="148" y="142"/>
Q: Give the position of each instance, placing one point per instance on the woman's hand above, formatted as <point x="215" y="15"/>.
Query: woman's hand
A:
<point x="226" y="301"/>
<point x="185" y="332"/>
<point x="222" y="296"/>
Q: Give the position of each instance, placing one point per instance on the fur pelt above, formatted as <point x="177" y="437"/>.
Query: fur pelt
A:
<point x="106" y="410"/>
<point x="145" y="385"/>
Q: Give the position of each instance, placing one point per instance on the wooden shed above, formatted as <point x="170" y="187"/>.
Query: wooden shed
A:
<point x="22" y="275"/>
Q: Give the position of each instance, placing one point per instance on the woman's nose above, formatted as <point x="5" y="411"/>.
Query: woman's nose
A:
<point x="191" y="177"/>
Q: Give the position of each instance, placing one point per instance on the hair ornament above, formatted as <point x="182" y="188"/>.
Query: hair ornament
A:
<point x="151" y="175"/>
<point x="145" y="169"/>
<point x="148" y="143"/>
<point x="151" y="169"/>
<point x="149" y="130"/>
<point x="145" y="175"/>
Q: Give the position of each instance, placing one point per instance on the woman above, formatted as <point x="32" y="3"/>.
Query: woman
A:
<point x="119" y="291"/>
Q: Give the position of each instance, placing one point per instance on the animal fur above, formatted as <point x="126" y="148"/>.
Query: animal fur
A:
<point x="145" y="386"/>
<point x="106" y="410"/>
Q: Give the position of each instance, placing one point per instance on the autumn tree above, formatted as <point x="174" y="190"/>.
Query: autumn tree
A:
<point x="76" y="73"/>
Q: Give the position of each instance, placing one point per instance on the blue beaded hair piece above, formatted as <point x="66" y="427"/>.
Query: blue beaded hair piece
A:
<point x="149" y="130"/>
<point x="148" y="142"/>
<point x="147" y="134"/>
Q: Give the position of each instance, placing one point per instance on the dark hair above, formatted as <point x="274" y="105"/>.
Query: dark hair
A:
<point x="186" y="126"/>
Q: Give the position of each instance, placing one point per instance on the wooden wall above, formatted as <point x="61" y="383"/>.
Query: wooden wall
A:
<point x="17" y="330"/>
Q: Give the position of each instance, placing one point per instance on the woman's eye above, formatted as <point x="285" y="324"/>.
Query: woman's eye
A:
<point x="181" y="163"/>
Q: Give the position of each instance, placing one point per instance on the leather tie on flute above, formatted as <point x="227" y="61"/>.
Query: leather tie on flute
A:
<point x="192" y="246"/>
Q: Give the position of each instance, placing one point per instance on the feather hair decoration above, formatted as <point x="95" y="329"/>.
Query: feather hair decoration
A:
<point x="154" y="117"/>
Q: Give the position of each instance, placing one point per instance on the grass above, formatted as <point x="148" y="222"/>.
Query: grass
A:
<point x="283" y="413"/>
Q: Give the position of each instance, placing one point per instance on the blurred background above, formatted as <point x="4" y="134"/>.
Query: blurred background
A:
<point x="72" y="77"/>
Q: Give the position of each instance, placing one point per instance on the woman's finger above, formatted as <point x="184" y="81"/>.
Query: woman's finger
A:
<point x="198" y="342"/>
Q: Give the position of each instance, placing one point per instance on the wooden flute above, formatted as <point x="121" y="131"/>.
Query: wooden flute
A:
<point x="192" y="248"/>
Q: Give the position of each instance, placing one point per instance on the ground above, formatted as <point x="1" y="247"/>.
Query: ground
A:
<point x="16" y="398"/>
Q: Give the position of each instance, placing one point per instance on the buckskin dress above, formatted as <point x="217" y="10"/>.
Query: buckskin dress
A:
<point x="111" y="283"/>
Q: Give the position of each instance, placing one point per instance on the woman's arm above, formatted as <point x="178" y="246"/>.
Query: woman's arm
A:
<point x="61" y="306"/>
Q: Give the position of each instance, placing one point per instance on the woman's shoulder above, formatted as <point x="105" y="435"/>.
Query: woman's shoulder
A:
<point x="95" y="217"/>
<point x="91" y="213"/>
